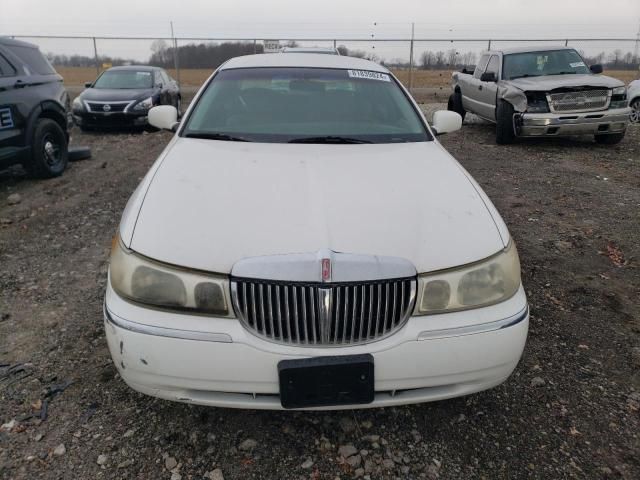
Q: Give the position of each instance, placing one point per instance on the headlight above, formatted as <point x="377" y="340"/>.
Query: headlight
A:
<point x="618" y="98"/>
<point x="477" y="285"/>
<point x="77" y="104"/>
<point x="537" y="102"/>
<point x="145" y="281"/>
<point x="145" y="104"/>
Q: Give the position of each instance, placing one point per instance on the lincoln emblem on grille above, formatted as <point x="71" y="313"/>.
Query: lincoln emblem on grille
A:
<point x="326" y="270"/>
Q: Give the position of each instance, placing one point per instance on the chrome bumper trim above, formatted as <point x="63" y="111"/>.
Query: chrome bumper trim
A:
<point x="560" y="124"/>
<point x="474" y="329"/>
<point x="164" y="332"/>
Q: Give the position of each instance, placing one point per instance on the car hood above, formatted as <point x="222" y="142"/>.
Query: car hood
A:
<point x="551" y="82"/>
<point x="116" y="94"/>
<point x="212" y="203"/>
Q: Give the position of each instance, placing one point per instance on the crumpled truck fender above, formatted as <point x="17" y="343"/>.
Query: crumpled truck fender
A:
<point x="513" y="95"/>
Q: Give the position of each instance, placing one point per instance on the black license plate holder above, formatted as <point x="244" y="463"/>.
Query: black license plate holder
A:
<point x="326" y="381"/>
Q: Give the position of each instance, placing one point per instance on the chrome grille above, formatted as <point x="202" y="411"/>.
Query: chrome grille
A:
<point x="98" y="107"/>
<point x="579" y="101"/>
<point x="323" y="314"/>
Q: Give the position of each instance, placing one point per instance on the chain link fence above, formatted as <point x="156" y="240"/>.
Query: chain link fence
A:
<point x="422" y="64"/>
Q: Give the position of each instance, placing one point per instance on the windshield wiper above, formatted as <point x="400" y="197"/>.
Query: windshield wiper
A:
<point x="526" y="75"/>
<point x="562" y="73"/>
<point x="216" y="136"/>
<point x="328" y="139"/>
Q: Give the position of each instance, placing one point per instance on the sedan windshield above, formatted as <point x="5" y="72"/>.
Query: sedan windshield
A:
<point x="125" y="79"/>
<point x="535" y="64"/>
<point x="305" y="105"/>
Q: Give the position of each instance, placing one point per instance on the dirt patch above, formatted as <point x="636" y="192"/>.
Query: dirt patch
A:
<point x="571" y="409"/>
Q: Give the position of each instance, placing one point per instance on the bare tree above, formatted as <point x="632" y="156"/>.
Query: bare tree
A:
<point x="440" y="56"/>
<point x="427" y="59"/>
<point x="614" y="58"/>
<point x="452" y="57"/>
<point x="468" y="59"/>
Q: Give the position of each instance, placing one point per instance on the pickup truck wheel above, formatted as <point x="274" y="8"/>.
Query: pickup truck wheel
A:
<point x="610" y="139"/>
<point x="455" y="104"/>
<point x="49" y="150"/>
<point x="505" y="133"/>
<point x="635" y="111"/>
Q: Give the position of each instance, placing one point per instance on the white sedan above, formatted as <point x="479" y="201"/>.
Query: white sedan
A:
<point x="304" y="241"/>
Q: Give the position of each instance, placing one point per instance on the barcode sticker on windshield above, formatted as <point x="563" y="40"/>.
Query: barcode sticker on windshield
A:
<point x="366" y="74"/>
<point x="577" y="64"/>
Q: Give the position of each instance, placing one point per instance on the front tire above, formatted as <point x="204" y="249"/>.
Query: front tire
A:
<point x="455" y="104"/>
<point x="610" y="139"/>
<point x="49" y="150"/>
<point x="634" y="116"/>
<point x="505" y="133"/>
<point x="179" y="106"/>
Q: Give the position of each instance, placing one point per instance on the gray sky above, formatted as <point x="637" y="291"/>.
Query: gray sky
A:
<point x="326" y="18"/>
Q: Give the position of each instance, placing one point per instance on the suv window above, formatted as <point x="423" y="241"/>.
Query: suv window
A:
<point x="494" y="65"/>
<point x="6" y="69"/>
<point x="36" y="62"/>
<point x="482" y="64"/>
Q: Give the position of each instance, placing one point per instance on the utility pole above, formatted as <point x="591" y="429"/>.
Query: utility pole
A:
<point x="176" y="61"/>
<point x="636" y="52"/>
<point x="95" y="56"/>
<point x="413" y="27"/>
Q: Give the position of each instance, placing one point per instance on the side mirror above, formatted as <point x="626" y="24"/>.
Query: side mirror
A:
<point x="88" y="84"/>
<point x="159" y="85"/>
<point x="469" y="69"/>
<point x="488" y="77"/>
<point x="164" y="117"/>
<point x="445" y="121"/>
<point x="597" y="68"/>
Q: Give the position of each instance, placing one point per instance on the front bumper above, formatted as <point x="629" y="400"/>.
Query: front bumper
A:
<point x="110" y="120"/>
<point x="217" y="362"/>
<point x="587" y="123"/>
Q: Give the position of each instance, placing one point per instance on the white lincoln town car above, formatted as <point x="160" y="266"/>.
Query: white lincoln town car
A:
<point x="304" y="241"/>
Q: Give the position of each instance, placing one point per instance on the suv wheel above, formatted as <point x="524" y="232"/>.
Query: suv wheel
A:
<point x="49" y="154"/>
<point x="455" y="104"/>
<point x="504" y="123"/>
<point x="610" y="139"/>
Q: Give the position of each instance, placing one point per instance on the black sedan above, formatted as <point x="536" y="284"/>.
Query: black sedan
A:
<point x="122" y="96"/>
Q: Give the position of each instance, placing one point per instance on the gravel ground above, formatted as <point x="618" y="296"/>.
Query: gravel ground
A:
<point x="571" y="409"/>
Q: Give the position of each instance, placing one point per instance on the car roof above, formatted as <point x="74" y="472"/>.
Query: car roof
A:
<point x="135" y="67"/>
<point x="329" y="50"/>
<point x="302" y="60"/>
<point x="507" y="51"/>
<point x="16" y="43"/>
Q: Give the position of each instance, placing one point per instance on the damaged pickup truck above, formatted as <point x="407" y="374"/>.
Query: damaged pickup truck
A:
<point x="538" y="92"/>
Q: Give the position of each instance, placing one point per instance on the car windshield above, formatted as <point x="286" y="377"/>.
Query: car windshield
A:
<point x="535" y="64"/>
<point x="125" y="79"/>
<point x="305" y="105"/>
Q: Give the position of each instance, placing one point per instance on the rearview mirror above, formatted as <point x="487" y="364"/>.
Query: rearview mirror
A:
<point x="88" y="84"/>
<point x="597" y="68"/>
<point x="164" y="117"/>
<point x="488" y="77"/>
<point x="445" y="121"/>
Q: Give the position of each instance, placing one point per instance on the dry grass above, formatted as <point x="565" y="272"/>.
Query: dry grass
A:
<point x="74" y="76"/>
